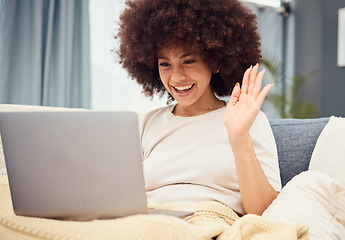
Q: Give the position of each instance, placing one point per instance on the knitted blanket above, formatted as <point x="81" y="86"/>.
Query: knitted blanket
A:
<point x="211" y="220"/>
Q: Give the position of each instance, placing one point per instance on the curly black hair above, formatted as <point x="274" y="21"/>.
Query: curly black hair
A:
<point x="223" y="31"/>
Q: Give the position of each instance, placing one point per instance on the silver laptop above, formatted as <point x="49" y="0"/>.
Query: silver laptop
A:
<point x="74" y="165"/>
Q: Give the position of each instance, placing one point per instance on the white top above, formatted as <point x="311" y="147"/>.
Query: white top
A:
<point x="189" y="159"/>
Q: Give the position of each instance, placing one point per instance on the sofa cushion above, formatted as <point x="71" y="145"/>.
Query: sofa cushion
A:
<point x="314" y="200"/>
<point x="329" y="153"/>
<point x="295" y="140"/>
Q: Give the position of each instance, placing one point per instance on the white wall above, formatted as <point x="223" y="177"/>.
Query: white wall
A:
<point x="112" y="89"/>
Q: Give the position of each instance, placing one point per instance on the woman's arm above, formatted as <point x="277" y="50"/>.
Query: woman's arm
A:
<point x="244" y="105"/>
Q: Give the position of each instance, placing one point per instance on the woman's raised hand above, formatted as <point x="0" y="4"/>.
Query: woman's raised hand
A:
<point x="245" y="102"/>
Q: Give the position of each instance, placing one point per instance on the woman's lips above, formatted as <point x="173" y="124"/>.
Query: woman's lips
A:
<point x="183" y="91"/>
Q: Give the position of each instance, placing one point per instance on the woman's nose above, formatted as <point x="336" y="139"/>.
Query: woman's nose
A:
<point x="177" y="74"/>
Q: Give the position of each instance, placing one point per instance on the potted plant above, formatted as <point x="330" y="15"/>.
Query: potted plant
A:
<point x="288" y="100"/>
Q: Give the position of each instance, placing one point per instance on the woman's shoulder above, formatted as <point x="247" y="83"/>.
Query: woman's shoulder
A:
<point x="153" y="115"/>
<point x="144" y="116"/>
<point x="261" y="126"/>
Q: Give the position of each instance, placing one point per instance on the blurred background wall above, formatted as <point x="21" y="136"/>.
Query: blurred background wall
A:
<point x="59" y="53"/>
<point x="316" y="49"/>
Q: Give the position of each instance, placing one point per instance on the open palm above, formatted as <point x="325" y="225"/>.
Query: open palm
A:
<point x="245" y="102"/>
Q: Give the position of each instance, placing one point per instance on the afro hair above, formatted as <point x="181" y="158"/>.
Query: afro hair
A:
<point x="223" y="31"/>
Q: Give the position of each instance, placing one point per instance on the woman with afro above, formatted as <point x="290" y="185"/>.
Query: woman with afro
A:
<point x="201" y="148"/>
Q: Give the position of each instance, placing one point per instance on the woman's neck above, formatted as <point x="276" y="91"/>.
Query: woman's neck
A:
<point x="195" y="110"/>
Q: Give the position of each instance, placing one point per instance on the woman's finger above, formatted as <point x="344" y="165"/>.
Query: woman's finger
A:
<point x="252" y="78"/>
<point x="245" y="81"/>
<point x="258" y="83"/>
<point x="235" y="95"/>
<point x="261" y="98"/>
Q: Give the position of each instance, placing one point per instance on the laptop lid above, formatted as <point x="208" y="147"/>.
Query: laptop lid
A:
<point x="74" y="165"/>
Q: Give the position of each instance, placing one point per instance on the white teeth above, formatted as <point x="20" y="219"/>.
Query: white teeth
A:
<point x="183" y="88"/>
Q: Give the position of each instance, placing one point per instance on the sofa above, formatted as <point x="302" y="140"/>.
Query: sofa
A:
<point x="311" y="157"/>
<point x="295" y="139"/>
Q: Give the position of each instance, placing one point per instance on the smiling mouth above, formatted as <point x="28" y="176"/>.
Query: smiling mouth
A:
<point x="183" y="89"/>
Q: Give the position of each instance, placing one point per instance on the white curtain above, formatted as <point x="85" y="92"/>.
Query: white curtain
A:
<point x="44" y="52"/>
<point x="112" y="89"/>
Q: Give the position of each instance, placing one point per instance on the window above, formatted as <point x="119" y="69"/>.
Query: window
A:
<point x="112" y="89"/>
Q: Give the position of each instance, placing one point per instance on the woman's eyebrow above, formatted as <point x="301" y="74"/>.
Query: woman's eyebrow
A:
<point x="182" y="56"/>
<point x="186" y="55"/>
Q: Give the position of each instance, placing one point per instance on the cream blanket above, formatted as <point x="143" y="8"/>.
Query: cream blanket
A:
<point x="329" y="153"/>
<point x="210" y="221"/>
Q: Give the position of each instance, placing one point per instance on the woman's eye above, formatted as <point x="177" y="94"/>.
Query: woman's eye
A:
<point x="190" y="61"/>
<point x="163" y="64"/>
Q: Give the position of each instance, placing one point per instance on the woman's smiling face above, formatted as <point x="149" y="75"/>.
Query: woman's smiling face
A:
<point x="186" y="76"/>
